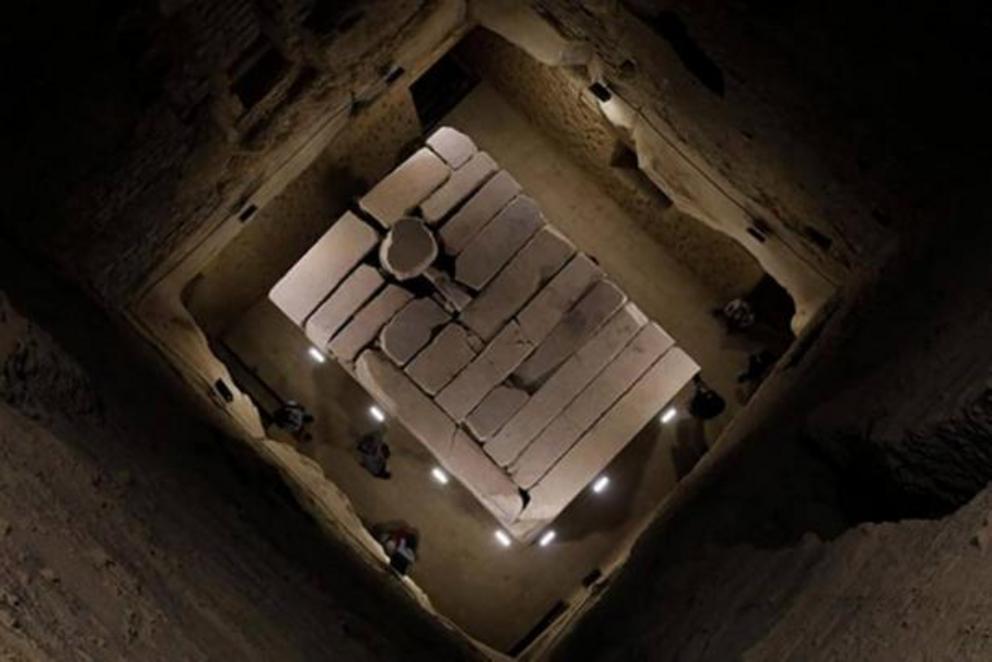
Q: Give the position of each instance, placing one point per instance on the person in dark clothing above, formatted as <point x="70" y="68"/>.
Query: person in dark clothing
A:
<point x="293" y="418"/>
<point x="373" y="454"/>
<point x="706" y="404"/>
<point x="758" y="364"/>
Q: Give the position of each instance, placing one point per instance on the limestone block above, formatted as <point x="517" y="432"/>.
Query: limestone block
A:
<point x="574" y="330"/>
<point x="494" y="411"/>
<point x="405" y="187"/>
<point x="365" y="326"/>
<point x="611" y="433"/>
<point x="477" y="212"/>
<point x="399" y="396"/>
<point x="646" y="348"/>
<point x="462" y="183"/>
<point x="466" y="461"/>
<point x="323" y="267"/>
<point x="499" y="241"/>
<point x="546" y="309"/>
<point x="442" y="359"/>
<point x="455" y="296"/>
<point x="411" y="329"/>
<point x="522" y="277"/>
<point x="563" y="386"/>
<point x="340" y="306"/>
<point x="451" y="145"/>
<point x="408" y="249"/>
<point x="492" y="366"/>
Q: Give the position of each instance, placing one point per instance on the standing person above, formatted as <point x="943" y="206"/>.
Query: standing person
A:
<point x="373" y="453"/>
<point x="758" y="364"/>
<point x="293" y="418"/>
<point x="738" y="315"/>
<point x="706" y="404"/>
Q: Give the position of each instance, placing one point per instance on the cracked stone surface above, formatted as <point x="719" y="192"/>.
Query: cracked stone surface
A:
<point x="408" y="249"/>
<point x="411" y="329"/>
<point x="323" y="267"/>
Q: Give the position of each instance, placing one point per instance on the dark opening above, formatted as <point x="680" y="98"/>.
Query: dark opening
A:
<point x="440" y="89"/>
<point x="817" y="237"/>
<point x="756" y="233"/>
<point x="541" y="626"/>
<point x="394" y="74"/>
<point x="600" y="91"/>
<point x="592" y="577"/>
<point x="328" y="16"/>
<point x="623" y="156"/>
<point x="672" y="29"/>
<point x="257" y="72"/>
<point x="224" y="390"/>
<point x="247" y="212"/>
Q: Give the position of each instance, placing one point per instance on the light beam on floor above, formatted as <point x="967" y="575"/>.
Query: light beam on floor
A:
<point x="669" y="415"/>
<point x="601" y="483"/>
<point x="316" y="355"/>
<point x="546" y="538"/>
<point x="502" y="538"/>
<point x="377" y="414"/>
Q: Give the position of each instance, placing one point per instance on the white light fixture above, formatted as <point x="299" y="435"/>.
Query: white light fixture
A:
<point x="377" y="414"/>
<point x="600" y="484"/>
<point x="669" y="415"/>
<point x="316" y="355"/>
<point x="438" y="474"/>
<point x="502" y="538"/>
<point x="546" y="538"/>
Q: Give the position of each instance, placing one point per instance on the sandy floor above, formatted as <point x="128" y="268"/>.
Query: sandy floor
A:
<point x="497" y="594"/>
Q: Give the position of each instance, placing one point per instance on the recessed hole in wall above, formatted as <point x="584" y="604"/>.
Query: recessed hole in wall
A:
<point x="673" y="29"/>
<point x="623" y="156"/>
<point x="247" y="212"/>
<point x="440" y="89"/>
<point x="394" y="74"/>
<point x="326" y="16"/>
<point x="600" y="91"/>
<point x="223" y="390"/>
<point x="592" y="577"/>
<point x="821" y="240"/>
<point x="257" y="72"/>
<point x="756" y="233"/>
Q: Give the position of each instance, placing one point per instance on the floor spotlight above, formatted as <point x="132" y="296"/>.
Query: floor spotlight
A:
<point x="600" y="484"/>
<point x="438" y="474"/>
<point x="377" y="414"/>
<point x="502" y="538"/>
<point x="669" y="415"/>
<point x="546" y="538"/>
<point x="316" y="355"/>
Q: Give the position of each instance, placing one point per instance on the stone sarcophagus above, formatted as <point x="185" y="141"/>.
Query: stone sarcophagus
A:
<point x="507" y="352"/>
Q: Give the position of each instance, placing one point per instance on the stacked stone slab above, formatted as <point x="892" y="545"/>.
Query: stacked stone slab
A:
<point x="323" y="267"/>
<point x="342" y="304"/>
<point x="555" y="394"/>
<point x="497" y="242"/>
<point x="405" y="188"/>
<point x="477" y="212"/>
<point x="536" y="263"/>
<point x="462" y="183"/>
<point x="365" y="326"/>
<point x="512" y="358"/>
<point x="411" y="329"/>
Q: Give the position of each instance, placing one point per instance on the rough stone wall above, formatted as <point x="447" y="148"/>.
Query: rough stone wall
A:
<point x="753" y="125"/>
<point x="250" y="265"/>
<point x="130" y="530"/>
<point x="555" y="102"/>
<point x="165" y="115"/>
